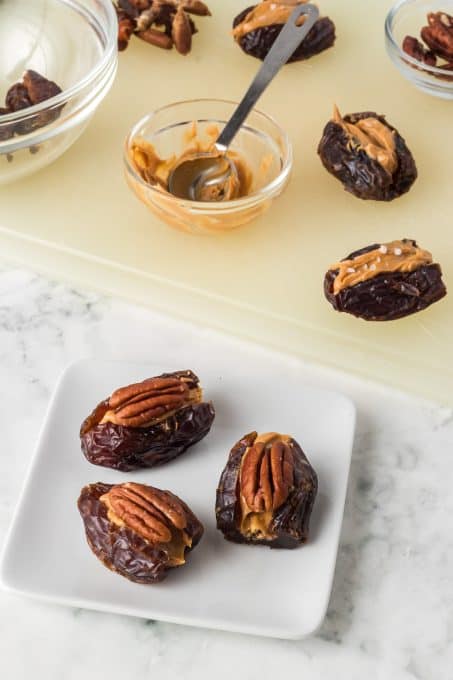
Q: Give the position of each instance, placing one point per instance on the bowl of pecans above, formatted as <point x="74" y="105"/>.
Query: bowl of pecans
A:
<point x="419" y="39"/>
<point x="49" y="86"/>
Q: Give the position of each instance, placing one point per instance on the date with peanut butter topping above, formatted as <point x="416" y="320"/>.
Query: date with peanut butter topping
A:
<point x="257" y="28"/>
<point x="266" y="492"/>
<point x="138" y="531"/>
<point x="383" y="282"/>
<point x="367" y="155"/>
<point x="147" y="423"/>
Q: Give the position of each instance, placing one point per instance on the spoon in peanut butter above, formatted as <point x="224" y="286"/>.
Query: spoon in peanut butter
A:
<point x="212" y="176"/>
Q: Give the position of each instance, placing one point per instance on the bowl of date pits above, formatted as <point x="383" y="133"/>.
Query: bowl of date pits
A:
<point x="419" y="39"/>
<point x="58" y="60"/>
<point x="260" y="157"/>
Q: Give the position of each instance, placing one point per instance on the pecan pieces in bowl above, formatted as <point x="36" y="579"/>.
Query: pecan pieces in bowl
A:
<point x="163" y="23"/>
<point x="438" y="36"/>
<point x="147" y="423"/>
<point x="266" y="492"/>
<point x="138" y="531"/>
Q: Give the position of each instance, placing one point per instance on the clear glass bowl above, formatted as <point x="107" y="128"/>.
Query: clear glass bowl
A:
<point x="261" y="142"/>
<point x="407" y="17"/>
<point x="72" y="42"/>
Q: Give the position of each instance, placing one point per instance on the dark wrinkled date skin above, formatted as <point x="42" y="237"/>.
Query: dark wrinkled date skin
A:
<point x="121" y="549"/>
<point x="257" y="43"/>
<point x="361" y="175"/>
<point x="290" y="522"/>
<point x="129" y="448"/>
<point x="389" y="295"/>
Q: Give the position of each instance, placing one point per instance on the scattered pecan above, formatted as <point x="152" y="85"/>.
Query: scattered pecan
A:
<point x="163" y="23"/>
<point x="415" y="49"/>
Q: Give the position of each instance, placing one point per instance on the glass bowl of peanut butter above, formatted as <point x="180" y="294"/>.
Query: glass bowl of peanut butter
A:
<point x="261" y="154"/>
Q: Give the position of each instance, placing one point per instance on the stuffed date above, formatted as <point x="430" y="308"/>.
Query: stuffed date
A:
<point x="147" y="423"/>
<point x="257" y="28"/>
<point x="138" y="531"/>
<point x="383" y="282"/>
<point x="367" y="155"/>
<point x="266" y="492"/>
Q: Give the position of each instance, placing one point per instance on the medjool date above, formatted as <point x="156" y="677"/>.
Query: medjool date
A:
<point x="147" y="423"/>
<point x="138" y="531"/>
<point x="266" y="492"/>
<point x="259" y="41"/>
<point x="385" y="282"/>
<point x="367" y="155"/>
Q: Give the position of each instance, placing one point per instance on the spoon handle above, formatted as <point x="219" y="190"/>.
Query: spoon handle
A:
<point x="289" y="39"/>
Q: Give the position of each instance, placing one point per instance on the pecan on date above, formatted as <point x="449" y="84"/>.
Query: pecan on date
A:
<point x="138" y="531"/>
<point x="147" y="423"/>
<point x="367" y="155"/>
<point x="384" y="282"/>
<point x="266" y="492"/>
<point x="256" y="29"/>
<point x="162" y="23"/>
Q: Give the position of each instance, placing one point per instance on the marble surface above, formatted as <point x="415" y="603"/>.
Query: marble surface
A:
<point x="391" y="611"/>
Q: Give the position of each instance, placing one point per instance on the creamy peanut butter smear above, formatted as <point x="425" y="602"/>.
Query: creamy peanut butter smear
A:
<point x="156" y="170"/>
<point x="267" y="13"/>
<point x="396" y="256"/>
<point x="375" y="138"/>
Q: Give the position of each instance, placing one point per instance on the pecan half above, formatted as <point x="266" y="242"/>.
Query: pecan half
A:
<point x="141" y="404"/>
<point x="438" y="35"/>
<point x="150" y="512"/>
<point x="182" y="32"/>
<point x="415" y="49"/>
<point x="267" y="474"/>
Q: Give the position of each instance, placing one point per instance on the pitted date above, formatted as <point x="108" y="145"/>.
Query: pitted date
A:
<point x="147" y="423"/>
<point x="266" y="492"/>
<point x="258" y="42"/>
<point x="361" y="175"/>
<point x="387" y="295"/>
<point x="138" y="531"/>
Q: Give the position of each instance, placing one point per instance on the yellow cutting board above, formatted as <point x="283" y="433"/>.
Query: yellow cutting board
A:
<point x="78" y="220"/>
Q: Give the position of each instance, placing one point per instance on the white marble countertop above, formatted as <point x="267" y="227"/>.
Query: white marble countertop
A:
<point x="391" y="611"/>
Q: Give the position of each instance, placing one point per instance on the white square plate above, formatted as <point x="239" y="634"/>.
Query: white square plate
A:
<point x="250" y="589"/>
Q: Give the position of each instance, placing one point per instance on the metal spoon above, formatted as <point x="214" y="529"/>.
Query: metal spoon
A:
<point x="191" y="178"/>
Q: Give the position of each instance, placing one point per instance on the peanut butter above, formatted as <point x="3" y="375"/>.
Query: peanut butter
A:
<point x="396" y="256"/>
<point x="375" y="138"/>
<point x="156" y="171"/>
<point x="267" y="13"/>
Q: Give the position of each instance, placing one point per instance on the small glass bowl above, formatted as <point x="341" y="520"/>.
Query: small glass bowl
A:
<point x="73" y="43"/>
<point x="261" y="142"/>
<point x="407" y="17"/>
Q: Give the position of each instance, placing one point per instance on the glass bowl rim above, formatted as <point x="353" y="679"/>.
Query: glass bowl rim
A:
<point x="74" y="90"/>
<point x="206" y="206"/>
<point x="427" y="70"/>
